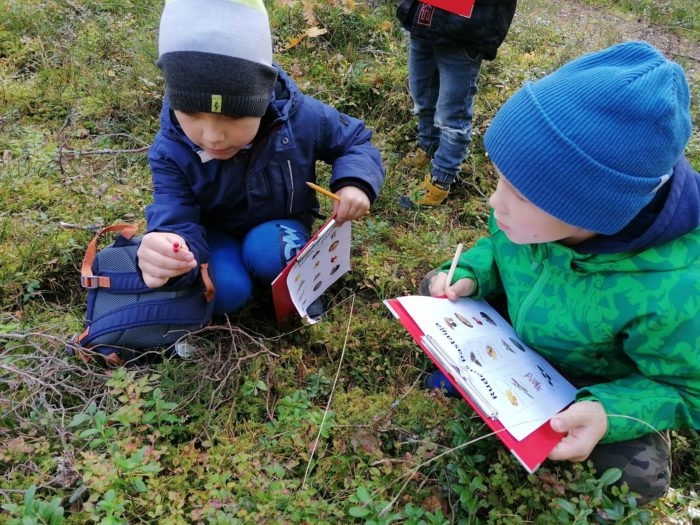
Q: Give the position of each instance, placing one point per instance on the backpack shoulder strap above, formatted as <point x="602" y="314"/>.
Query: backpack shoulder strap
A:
<point x="209" y="291"/>
<point x="87" y="278"/>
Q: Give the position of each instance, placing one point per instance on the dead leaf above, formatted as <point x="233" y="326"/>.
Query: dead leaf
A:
<point x="313" y="32"/>
<point x="309" y="15"/>
<point x="294" y="42"/>
<point x="363" y="439"/>
<point x="435" y="502"/>
<point x="17" y="446"/>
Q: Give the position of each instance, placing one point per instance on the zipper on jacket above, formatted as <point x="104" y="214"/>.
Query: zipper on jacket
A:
<point x="291" y="184"/>
<point x="535" y="289"/>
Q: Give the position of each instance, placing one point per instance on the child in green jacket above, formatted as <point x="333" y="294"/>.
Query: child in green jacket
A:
<point x="595" y="244"/>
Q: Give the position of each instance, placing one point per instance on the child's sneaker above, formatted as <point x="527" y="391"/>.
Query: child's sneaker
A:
<point x="184" y="350"/>
<point x="315" y="309"/>
<point x="437" y="380"/>
<point x="430" y="193"/>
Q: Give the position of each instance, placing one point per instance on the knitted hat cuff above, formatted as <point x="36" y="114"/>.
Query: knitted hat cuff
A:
<point x="196" y="82"/>
<point x="191" y="102"/>
<point x="548" y="176"/>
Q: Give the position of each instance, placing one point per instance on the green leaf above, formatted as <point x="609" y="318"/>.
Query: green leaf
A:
<point x="358" y="512"/>
<point x="363" y="495"/>
<point x="139" y="485"/>
<point x="79" y="419"/>
<point x="566" y="505"/>
<point x="610" y="476"/>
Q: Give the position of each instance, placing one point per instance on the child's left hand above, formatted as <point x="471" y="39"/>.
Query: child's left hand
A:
<point x="584" y="423"/>
<point x="353" y="204"/>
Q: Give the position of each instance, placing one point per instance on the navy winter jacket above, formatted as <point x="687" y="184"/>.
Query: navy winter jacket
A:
<point x="262" y="183"/>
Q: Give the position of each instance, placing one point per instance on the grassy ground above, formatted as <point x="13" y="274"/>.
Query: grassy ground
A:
<point x="317" y="424"/>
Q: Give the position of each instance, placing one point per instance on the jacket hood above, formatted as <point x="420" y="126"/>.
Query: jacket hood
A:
<point x="674" y="212"/>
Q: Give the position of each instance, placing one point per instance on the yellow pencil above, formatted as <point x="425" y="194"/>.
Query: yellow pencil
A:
<point x="453" y="266"/>
<point x="324" y="191"/>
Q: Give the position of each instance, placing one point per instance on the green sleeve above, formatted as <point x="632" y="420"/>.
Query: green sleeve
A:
<point x="478" y="263"/>
<point x="665" y="394"/>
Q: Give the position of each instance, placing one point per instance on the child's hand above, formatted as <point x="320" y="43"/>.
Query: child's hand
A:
<point x="461" y="288"/>
<point x="353" y="204"/>
<point x="160" y="260"/>
<point x="585" y="423"/>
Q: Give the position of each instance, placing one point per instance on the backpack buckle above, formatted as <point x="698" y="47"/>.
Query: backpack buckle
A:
<point x="94" y="281"/>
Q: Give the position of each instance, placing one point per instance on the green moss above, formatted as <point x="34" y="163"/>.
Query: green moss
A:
<point x="80" y="104"/>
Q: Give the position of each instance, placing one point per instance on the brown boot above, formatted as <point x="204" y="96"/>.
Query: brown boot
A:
<point x="429" y="194"/>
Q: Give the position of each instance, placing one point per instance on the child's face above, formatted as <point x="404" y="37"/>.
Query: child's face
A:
<point x="525" y="223"/>
<point x="219" y="135"/>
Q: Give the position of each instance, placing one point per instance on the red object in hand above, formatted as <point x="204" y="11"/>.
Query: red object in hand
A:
<point x="176" y="247"/>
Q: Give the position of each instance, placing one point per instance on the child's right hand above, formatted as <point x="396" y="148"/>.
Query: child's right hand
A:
<point x="461" y="288"/>
<point x="159" y="261"/>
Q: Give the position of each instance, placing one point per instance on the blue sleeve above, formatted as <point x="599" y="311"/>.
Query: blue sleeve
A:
<point x="174" y="207"/>
<point x="346" y="144"/>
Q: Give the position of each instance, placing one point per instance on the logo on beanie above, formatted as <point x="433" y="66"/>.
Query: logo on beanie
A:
<point x="216" y="104"/>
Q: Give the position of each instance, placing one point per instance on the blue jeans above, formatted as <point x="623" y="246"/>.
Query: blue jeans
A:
<point x="443" y="83"/>
<point x="236" y="265"/>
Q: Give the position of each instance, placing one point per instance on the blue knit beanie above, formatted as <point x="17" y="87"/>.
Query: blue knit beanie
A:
<point x="216" y="56"/>
<point x="592" y="142"/>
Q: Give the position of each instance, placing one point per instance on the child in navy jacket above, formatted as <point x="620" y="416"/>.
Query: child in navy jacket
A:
<point x="237" y="143"/>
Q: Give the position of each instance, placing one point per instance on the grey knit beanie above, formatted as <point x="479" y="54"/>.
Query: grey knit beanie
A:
<point x="216" y="56"/>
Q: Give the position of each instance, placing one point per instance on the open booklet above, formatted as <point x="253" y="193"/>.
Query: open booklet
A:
<point x="320" y="263"/>
<point x="514" y="389"/>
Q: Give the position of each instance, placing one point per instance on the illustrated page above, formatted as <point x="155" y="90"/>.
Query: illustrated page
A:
<point x="322" y="262"/>
<point x="508" y="380"/>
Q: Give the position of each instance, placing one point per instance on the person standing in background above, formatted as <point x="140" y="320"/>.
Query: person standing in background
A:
<point x="444" y="59"/>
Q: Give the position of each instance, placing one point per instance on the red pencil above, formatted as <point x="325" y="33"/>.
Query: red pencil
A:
<point x="176" y="247"/>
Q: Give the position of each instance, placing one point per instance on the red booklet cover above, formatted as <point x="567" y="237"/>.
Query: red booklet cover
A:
<point x="460" y="7"/>
<point x="514" y="390"/>
<point x="321" y="262"/>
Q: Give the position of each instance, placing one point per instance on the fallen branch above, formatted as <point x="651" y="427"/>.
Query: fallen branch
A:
<point x="76" y="153"/>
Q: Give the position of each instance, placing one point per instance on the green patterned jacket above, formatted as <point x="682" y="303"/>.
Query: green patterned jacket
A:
<point x="630" y="321"/>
